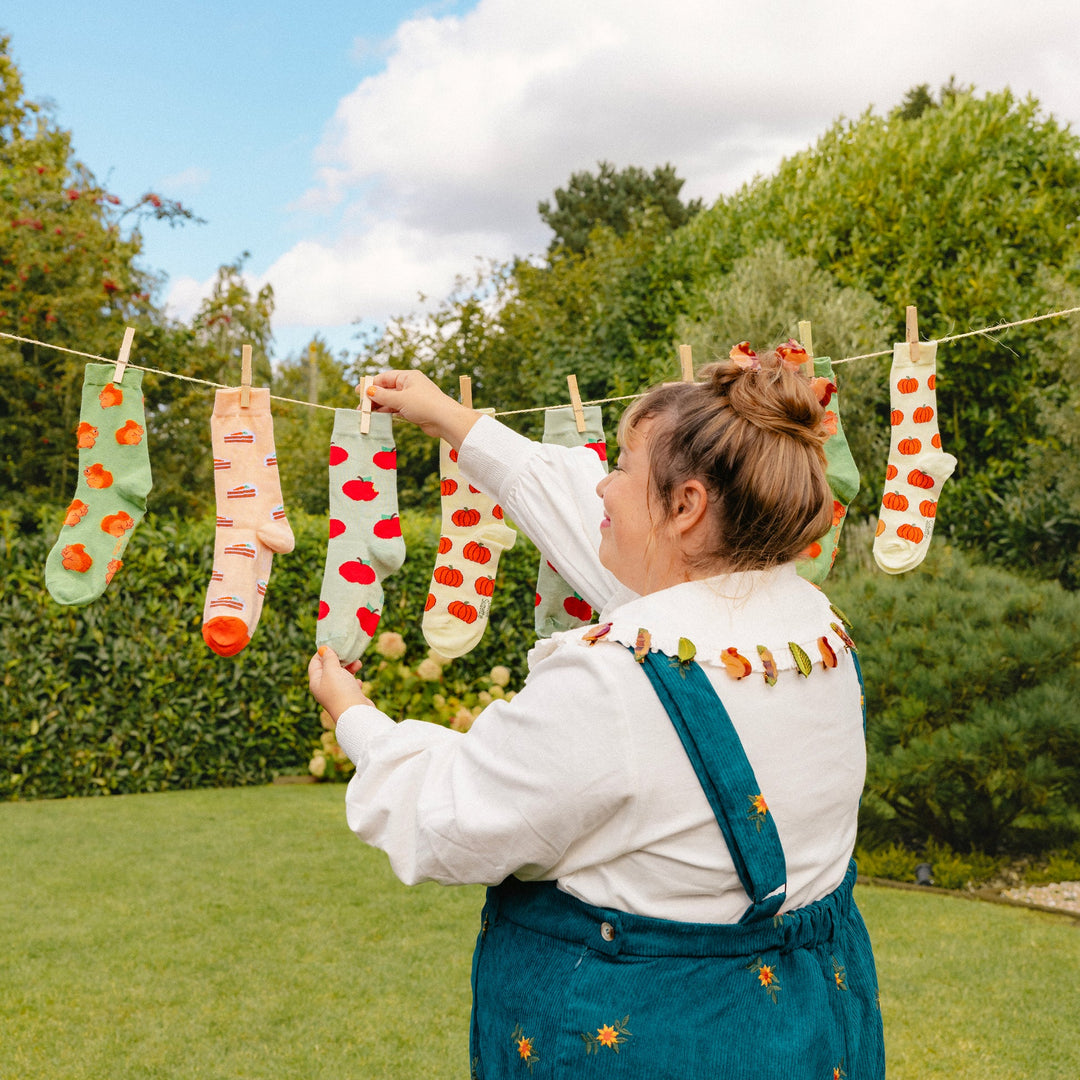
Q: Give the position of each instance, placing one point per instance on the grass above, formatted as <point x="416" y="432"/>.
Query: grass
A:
<point x="246" y="934"/>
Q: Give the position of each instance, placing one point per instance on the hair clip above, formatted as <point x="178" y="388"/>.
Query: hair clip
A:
<point x="744" y="357"/>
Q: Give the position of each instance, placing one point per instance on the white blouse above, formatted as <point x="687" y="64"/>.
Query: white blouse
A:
<point x="581" y="777"/>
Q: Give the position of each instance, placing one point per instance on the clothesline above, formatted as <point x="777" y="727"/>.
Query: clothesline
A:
<point x="543" y="408"/>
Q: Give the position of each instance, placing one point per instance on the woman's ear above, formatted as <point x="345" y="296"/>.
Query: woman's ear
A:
<point x="690" y="505"/>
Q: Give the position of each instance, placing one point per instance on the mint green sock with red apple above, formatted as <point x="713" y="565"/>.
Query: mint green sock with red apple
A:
<point x="558" y="607"/>
<point x="365" y="545"/>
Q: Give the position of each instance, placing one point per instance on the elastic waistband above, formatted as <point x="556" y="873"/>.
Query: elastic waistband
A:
<point x="542" y="907"/>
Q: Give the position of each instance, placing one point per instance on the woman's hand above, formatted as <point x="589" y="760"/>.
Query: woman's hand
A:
<point x="334" y="684"/>
<point x="414" y="397"/>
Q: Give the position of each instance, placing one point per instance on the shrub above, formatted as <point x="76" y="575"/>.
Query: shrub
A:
<point x="122" y="695"/>
<point x="971" y="678"/>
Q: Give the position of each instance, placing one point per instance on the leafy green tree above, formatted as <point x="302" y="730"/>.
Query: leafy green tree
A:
<point x="301" y="432"/>
<point x="764" y="297"/>
<point x="69" y="276"/>
<point x="613" y="198"/>
<point x="963" y="211"/>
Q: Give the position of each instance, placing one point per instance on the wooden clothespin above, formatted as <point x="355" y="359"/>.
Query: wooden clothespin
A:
<point x="575" y="402"/>
<point x="465" y="385"/>
<point x="365" y="405"/>
<point x="245" y="376"/>
<point x="122" y="356"/>
<point x="686" y="360"/>
<point x="912" y="335"/>
<point x="806" y="339"/>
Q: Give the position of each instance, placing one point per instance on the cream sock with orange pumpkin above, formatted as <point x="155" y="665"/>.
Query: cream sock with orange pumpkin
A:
<point x="473" y="537"/>
<point x="557" y="606"/>
<point x="365" y="545"/>
<point x="114" y="480"/>
<point x="251" y="523"/>
<point x="917" y="466"/>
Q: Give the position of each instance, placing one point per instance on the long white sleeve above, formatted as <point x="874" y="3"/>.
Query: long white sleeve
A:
<point x="549" y="491"/>
<point x="533" y="777"/>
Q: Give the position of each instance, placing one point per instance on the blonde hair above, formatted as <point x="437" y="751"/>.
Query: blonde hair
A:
<point x="755" y="439"/>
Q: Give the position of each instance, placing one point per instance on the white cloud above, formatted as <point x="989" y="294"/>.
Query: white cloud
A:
<point x="372" y="276"/>
<point x="443" y="155"/>
<point x="185" y="295"/>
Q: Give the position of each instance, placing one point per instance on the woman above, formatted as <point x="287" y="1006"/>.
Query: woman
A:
<point x="666" y="812"/>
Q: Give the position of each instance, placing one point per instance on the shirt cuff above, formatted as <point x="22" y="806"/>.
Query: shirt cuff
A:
<point x="356" y="726"/>
<point x="492" y="455"/>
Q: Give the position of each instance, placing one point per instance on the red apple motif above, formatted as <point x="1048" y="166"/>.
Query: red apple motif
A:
<point x="358" y="571"/>
<point x="337" y="527"/>
<point x="338" y="454"/>
<point x="577" y="608"/>
<point x="386" y="458"/>
<point x="387" y="528"/>
<point x="599" y="449"/>
<point x="369" y="620"/>
<point x="359" y="490"/>
<point x="324" y="609"/>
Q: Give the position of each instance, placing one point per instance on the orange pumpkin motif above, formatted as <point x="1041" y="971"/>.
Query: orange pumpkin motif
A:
<point x="448" y="486"/>
<point x="923" y="414"/>
<point x="475" y="552"/>
<point x="447" y="575"/>
<point x="890" y="472"/>
<point x="880" y="527"/>
<point x="907" y="385"/>
<point x="932" y="381"/>
<point x="445" y="544"/>
<point x="909" y="446"/>
<point x="935" y="442"/>
<point x="910" y="532"/>
<point x="484" y="586"/>
<point x="919" y="479"/>
<point x="430" y="602"/>
<point x="928" y="508"/>
<point x="465" y="612"/>
<point x="893" y="500"/>
<point x="896" y="417"/>
<point x="497" y="512"/>
<point x="465" y="518"/>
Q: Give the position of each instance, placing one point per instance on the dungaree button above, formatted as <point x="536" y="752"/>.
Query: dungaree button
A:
<point x="607" y="931"/>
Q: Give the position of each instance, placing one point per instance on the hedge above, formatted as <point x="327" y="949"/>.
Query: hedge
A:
<point x="122" y="695"/>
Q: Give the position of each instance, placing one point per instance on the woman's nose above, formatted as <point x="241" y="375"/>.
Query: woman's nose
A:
<point x="603" y="484"/>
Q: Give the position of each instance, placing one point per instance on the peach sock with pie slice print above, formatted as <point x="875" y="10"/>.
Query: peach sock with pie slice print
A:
<point x="114" y="480"/>
<point x="251" y="522"/>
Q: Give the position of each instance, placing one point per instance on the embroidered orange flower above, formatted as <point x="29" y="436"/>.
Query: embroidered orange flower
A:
<point x="768" y="980"/>
<point x="759" y="804"/>
<point x="525" y="1047"/>
<point x="611" y="1036"/>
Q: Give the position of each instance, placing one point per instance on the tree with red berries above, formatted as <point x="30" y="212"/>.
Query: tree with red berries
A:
<point x="68" y="276"/>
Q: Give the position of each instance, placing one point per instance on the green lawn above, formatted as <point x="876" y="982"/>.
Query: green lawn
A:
<point x="246" y="934"/>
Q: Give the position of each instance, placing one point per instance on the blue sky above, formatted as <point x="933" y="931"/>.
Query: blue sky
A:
<point x="364" y="152"/>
